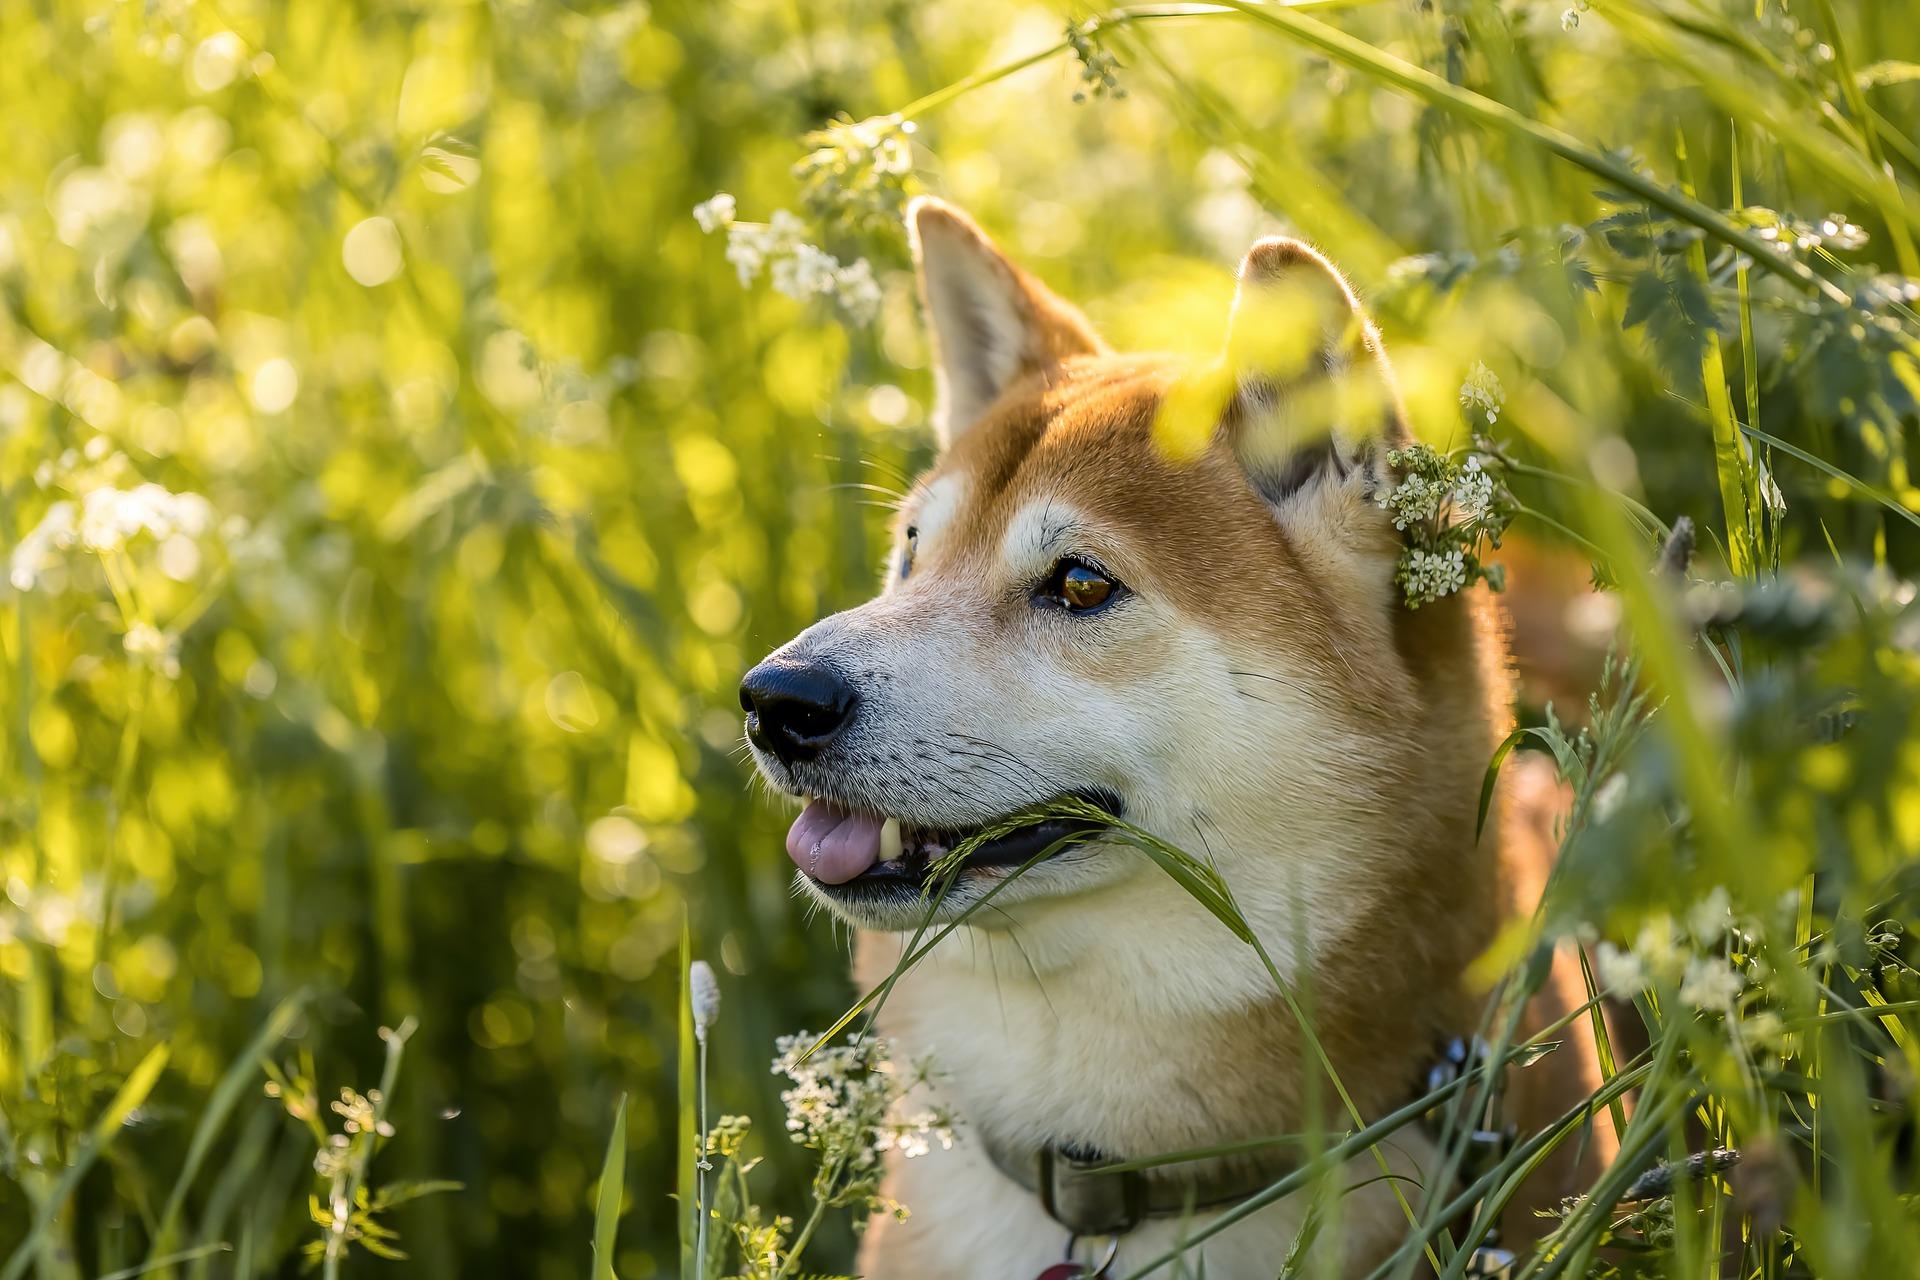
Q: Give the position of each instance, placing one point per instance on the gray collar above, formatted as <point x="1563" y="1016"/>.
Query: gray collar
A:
<point x="1088" y="1202"/>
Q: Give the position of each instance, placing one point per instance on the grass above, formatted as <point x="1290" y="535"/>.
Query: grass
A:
<point x="431" y="721"/>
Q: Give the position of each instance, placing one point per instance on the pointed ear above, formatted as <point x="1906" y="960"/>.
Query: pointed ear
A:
<point x="992" y="322"/>
<point x="1314" y="400"/>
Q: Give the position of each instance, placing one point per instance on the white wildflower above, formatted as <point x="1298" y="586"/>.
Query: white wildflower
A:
<point x="1431" y="575"/>
<point x="807" y="271"/>
<point x="843" y="1100"/>
<point x="1711" y="917"/>
<point x="1620" y="971"/>
<point x="796" y="267"/>
<point x="1472" y="488"/>
<point x="1482" y="390"/>
<point x="786" y="229"/>
<point x="1711" y="984"/>
<point x="747" y="248"/>
<point x="1765" y="1029"/>
<point x="1415" y="500"/>
<point x="1569" y="19"/>
<point x="106" y="520"/>
<point x="858" y="292"/>
<point x="361" y="1112"/>
<point x="149" y="646"/>
<point x="111" y="517"/>
<point x="715" y="213"/>
<point x="333" y="1160"/>
<point x="36" y="552"/>
<point x="1658" y="950"/>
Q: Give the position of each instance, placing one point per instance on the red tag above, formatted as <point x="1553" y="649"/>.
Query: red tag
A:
<point x="1065" y="1271"/>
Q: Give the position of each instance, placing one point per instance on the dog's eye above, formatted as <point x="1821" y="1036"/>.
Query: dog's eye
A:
<point x="1078" y="587"/>
<point x="906" y="552"/>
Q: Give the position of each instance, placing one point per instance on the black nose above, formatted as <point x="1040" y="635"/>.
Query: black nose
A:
<point x="794" y="708"/>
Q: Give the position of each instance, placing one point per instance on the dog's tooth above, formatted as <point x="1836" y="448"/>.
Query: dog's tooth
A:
<point x="890" y="840"/>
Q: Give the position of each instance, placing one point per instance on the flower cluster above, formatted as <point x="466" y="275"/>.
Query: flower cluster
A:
<point x="854" y="178"/>
<point x="149" y="646"/>
<point x="105" y="521"/>
<point x="361" y="1112"/>
<point x="1446" y="505"/>
<point x="844" y="1104"/>
<point x="795" y="267"/>
<point x="1428" y="576"/>
<point x="1706" y="956"/>
<point x="1097" y="64"/>
<point x="1482" y="391"/>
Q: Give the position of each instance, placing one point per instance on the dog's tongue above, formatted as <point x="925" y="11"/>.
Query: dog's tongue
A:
<point x="831" y="844"/>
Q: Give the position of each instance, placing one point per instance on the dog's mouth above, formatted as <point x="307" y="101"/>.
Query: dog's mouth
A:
<point x="854" y="849"/>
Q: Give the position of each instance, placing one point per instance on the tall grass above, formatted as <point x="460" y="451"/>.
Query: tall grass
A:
<point x="508" y="480"/>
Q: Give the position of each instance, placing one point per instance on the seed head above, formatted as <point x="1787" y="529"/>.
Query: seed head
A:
<point x="703" y="990"/>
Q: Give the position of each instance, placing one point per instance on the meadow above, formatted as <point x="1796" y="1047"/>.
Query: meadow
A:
<point x="397" y="475"/>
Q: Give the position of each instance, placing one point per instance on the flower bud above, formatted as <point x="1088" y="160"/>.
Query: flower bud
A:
<point x="703" y="990"/>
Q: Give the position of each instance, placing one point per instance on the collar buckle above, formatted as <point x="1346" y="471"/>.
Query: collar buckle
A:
<point x="1087" y="1202"/>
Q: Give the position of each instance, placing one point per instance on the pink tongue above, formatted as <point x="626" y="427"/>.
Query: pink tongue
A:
<point x="831" y="844"/>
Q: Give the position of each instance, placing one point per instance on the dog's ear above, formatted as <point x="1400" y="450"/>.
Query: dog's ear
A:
<point x="1314" y="407"/>
<point x="992" y="322"/>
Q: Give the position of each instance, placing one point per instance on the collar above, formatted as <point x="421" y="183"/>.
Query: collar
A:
<point x="1075" y="1192"/>
<point x="1088" y="1202"/>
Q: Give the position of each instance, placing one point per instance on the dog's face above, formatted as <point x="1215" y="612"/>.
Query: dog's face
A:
<point x="1090" y="598"/>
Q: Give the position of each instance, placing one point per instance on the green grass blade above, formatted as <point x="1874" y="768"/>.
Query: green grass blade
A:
<point x="1602" y="1042"/>
<point x="105" y="1130"/>
<point x="1468" y="105"/>
<point x="1492" y="776"/>
<point x="1858" y="485"/>
<point x="225" y="1097"/>
<point x="613" y="1183"/>
<point x="689" y="1121"/>
<point x="154" y="1264"/>
<point x="1731" y="468"/>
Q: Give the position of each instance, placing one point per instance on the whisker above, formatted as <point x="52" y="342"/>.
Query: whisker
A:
<point x="906" y="481"/>
<point x="1013" y="936"/>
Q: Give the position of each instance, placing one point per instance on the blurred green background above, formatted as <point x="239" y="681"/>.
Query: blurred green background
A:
<point x="510" y="480"/>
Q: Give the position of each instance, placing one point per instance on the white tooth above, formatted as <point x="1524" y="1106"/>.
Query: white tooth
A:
<point x="890" y="840"/>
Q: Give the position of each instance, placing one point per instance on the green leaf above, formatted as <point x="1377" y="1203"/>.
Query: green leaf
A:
<point x="138" y="1084"/>
<point x="226" y="1095"/>
<point x="1492" y="776"/>
<point x="153" y="1264"/>
<point x="395" y="1194"/>
<point x="613" y="1180"/>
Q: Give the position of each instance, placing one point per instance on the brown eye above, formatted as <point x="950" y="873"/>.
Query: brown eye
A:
<point x="1078" y="587"/>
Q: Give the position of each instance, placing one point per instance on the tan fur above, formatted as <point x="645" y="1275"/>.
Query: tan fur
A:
<point x="1101" y="1005"/>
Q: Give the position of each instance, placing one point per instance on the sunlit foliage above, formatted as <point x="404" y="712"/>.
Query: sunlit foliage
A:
<point x="431" y="478"/>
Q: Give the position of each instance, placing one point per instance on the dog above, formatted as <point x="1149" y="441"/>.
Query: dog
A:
<point x="1166" y="593"/>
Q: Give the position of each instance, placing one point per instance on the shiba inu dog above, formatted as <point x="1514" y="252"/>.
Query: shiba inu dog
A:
<point x="1168" y="593"/>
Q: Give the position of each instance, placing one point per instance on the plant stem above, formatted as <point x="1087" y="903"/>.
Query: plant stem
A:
<point x="800" y="1241"/>
<point x="701" y="1166"/>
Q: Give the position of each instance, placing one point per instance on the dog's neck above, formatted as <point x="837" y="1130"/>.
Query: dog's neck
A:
<point x="1164" y="1032"/>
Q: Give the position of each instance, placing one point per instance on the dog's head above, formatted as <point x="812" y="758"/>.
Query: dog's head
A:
<point x="1166" y="591"/>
